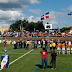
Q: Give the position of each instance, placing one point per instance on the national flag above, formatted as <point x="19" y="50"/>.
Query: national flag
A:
<point x="70" y="13"/>
<point x="47" y="15"/>
<point x="42" y="17"/>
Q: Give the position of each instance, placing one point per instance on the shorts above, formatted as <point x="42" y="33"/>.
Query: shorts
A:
<point x="58" y="48"/>
<point x="68" y="49"/>
<point x="63" y="48"/>
<point x="71" y="48"/>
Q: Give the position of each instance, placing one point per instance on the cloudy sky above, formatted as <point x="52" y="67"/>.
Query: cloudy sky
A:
<point x="32" y="10"/>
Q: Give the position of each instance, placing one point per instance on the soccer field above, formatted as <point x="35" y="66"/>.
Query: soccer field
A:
<point x="21" y="60"/>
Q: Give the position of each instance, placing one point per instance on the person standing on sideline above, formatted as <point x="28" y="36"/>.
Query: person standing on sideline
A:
<point x="53" y="59"/>
<point x="5" y="50"/>
<point x="30" y="46"/>
<point x="20" y="43"/>
<point x="54" y="45"/>
<point x="42" y="43"/>
<point x="14" y="42"/>
<point x="27" y="44"/>
<point x="35" y="44"/>
<point x="44" y="58"/>
<point x="50" y="46"/>
<point x="24" y="43"/>
<point x="46" y="43"/>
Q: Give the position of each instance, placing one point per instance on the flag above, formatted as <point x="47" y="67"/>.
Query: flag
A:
<point x="47" y="15"/>
<point x="70" y="13"/>
<point x="42" y="17"/>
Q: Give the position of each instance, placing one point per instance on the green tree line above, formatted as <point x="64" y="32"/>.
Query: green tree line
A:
<point x="26" y="25"/>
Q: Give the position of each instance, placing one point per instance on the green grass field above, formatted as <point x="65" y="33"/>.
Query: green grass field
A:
<point x="28" y="62"/>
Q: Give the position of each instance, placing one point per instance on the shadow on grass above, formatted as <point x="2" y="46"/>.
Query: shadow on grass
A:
<point x="40" y="66"/>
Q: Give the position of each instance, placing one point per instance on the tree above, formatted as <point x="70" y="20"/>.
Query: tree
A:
<point x="29" y="26"/>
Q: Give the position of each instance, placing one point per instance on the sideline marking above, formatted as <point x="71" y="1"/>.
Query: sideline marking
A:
<point x="20" y="57"/>
<point x="24" y="53"/>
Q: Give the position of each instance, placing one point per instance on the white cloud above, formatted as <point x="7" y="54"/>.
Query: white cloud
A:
<point x="8" y="17"/>
<point x="21" y="1"/>
<point x="32" y="18"/>
<point x="69" y="8"/>
<point x="34" y="1"/>
<point x="37" y="11"/>
<point x="12" y="10"/>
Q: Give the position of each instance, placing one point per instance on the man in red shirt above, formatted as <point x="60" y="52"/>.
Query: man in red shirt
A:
<point x="44" y="58"/>
<point x="5" y="47"/>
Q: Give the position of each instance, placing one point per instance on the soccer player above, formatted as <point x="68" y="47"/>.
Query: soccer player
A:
<point x="58" y="48"/>
<point x="44" y="58"/>
<point x="63" y="48"/>
<point x="68" y="48"/>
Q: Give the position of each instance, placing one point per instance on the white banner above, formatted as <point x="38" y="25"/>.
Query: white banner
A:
<point x="48" y="26"/>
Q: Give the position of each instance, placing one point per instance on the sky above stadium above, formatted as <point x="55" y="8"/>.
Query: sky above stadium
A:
<point x="32" y="10"/>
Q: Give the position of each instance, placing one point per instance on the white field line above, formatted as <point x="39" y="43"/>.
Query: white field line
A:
<point x="20" y="57"/>
<point x="24" y="53"/>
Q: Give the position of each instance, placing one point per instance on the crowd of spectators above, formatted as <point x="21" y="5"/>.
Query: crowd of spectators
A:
<point x="67" y="33"/>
